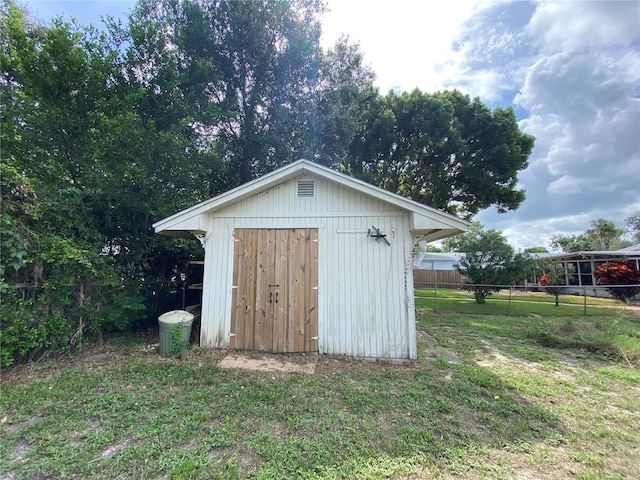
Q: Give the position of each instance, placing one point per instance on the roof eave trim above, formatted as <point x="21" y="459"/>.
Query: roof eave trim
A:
<point x="306" y="167"/>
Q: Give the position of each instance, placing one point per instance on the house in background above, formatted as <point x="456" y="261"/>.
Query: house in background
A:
<point x="437" y="260"/>
<point x="577" y="267"/>
<point x="437" y="269"/>
<point x="307" y="259"/>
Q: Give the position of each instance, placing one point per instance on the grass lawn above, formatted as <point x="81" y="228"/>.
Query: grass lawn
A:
<point x="521" y="397"/>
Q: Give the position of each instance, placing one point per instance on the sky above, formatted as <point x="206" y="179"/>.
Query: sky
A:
<point x="570" y="70"/>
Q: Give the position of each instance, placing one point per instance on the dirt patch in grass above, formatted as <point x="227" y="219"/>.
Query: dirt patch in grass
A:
<point x="16" y="427"/>
<point x="111" y="451"/>
<point x="267" y="363"/>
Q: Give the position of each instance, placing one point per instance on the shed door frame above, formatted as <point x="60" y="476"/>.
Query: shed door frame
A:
<point x="275" y="290"/>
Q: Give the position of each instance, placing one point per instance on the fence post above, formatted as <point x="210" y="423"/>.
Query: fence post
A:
<point x="584" y="294"/>
<point x="435" y="303"/>
<point x="509" y="300"/>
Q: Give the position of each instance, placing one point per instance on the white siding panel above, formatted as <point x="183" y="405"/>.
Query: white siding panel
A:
<point x="218" y="275"/>
<point x="282" y="200"/>
<point x="366" y="308"/>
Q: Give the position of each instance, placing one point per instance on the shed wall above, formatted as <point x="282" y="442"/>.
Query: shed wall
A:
<point x="365" y="291"/>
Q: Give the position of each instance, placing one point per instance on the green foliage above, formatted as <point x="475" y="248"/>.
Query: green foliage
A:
<point x="124" y="312"/>
<point x="445" y="150"/>
<point x="46" y="306"/>
<point x="633" y="222"/>
<point x="30" y="329"/>
<point x="603" y="235"/>
<point x="177" y="344"/>
<point x="343" y="100"/>
<point x="19" y="207"/>
<point x="248" y="68"/>
<point x="89" y="162"/>
<point x="489" y="262"/>
<point x="536" y="250"/>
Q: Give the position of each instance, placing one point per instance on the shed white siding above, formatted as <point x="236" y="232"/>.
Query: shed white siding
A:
<point x="360" y="311"/>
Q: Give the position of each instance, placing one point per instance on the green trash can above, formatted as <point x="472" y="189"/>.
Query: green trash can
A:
<point x="167" y="322"/>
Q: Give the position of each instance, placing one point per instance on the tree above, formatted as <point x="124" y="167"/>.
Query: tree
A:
<point x="603" y="235"/>
<point x="19" y="210"/>
<point x="633" y="222"/>
<point x="450" y="244"/>
<point x="570" y="243"/>
<point x="489" y="262"/>
<point x="85" y="167"/>
<point x="618" y="274"/>
<point x="256" y="64"/>
<point x="552" y="280"/>
<point x="445" y="150"/>
<point x="536" y="250"/>
<point x="345" y="90"/>
<point x="100" y="125"/>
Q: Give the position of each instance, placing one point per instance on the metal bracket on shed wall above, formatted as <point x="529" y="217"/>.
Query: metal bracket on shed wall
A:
<point x="377" y="234"/>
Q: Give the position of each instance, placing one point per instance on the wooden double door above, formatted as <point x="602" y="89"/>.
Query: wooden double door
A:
<point x="275" y="290"/>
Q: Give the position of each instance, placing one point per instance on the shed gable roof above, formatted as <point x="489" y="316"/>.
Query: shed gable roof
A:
<point x="430" y="223"/>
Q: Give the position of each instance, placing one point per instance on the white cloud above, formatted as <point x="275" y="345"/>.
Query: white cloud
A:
<point x="407" y="42"/>
<point x="572" y="27"/>
<point x="565" y="185"/>
<point x="580" y="82"/>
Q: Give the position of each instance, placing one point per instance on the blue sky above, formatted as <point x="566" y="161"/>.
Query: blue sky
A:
<point x="571" y="70"/>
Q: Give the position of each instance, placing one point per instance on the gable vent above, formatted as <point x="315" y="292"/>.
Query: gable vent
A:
<point x="306" y="189"/>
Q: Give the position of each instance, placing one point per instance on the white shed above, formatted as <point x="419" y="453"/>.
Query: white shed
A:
<point x="307" y="259"/>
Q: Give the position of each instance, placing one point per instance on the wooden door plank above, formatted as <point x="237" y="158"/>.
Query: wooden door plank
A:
<point x="280" y="290"/>
<point x="241" y="294"/>
<point x="244" y="306"/>
<point x="263" y="326"/>
<point x="250" y="273"/>
<point x="294" y="291"/>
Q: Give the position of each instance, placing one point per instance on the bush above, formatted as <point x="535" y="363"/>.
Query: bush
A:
<point x="619" y="273"/>
<point x="29" y="330"/>
<point x="124" y="312"/>
<point x="551" y="284"/>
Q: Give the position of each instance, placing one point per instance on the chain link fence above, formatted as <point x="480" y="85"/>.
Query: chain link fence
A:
<point x="525" y="299"/>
